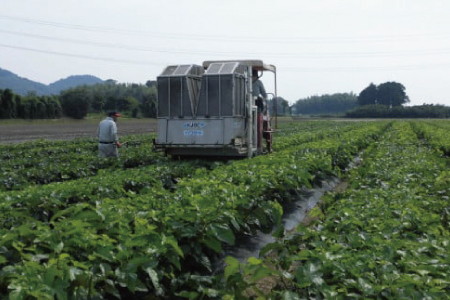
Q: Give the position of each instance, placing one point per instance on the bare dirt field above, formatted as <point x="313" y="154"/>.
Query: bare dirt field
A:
<point x="18" y="131"/>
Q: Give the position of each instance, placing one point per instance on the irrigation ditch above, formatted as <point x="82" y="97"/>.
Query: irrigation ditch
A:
<point x="295" y="212"/>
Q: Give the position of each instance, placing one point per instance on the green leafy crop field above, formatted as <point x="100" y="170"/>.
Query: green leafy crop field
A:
<point x="75" y="226"/>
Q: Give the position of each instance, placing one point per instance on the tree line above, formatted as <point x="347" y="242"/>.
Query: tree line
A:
<point x="13" y="106"/>
<point x="138" y="100"/>
<point x="386" y="101"/>
<point x="326" y="104"/>
<point x="384" y="111"/>
<point x="135" y="100"/>
<point x="389" y="94"/>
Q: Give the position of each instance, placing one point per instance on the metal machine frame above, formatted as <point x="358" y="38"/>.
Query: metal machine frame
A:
<point x="209" y="110"/>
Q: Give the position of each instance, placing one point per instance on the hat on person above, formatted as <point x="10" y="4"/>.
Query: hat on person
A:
<point x="113" y="114"/>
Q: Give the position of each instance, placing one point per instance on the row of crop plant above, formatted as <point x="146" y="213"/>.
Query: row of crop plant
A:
<point x="43" y="201"/>
<point x="44" y="162"/>
<point x="306" y="131"/>
<point x="435" y="134"/>
<point x="387" y="236"/>
<point x="156" y="240"/>
<point x="22" y="166"/>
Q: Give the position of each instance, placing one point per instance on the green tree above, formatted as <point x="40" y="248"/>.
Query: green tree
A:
<point x="98" y="101"/>
<point x="7" y="104"/>
<point x="29" y="107"/>
<point x="151" y="83"/>
<point x="53" y="108"/>
<point x="148" y="105"/>
<point x="392" y="94"/>
<point x="127" y="103"/>
<point x="133" y="106"/>
<point x="282" y="106"/>
<point x="368" y="96"/>
<point x="75" y="102"/>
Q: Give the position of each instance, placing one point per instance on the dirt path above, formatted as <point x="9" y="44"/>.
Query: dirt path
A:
<point x="18" y="131"/>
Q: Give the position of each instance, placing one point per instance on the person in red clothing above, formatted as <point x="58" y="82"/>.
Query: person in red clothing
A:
<point x="108" y="141"/>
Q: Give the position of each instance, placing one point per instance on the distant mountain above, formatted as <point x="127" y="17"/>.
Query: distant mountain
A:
<point x="20" y="85"/>
<point x="23" y="86"/>
<point x="73" y="81"/>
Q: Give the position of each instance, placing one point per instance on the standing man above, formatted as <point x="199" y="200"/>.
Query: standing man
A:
<point x="108" y="142"/>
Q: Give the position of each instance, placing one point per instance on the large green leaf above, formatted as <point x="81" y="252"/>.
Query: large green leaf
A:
<point x="232" y="267"/>
<point x="155" y="280"/>
<point x="223" y="233"/>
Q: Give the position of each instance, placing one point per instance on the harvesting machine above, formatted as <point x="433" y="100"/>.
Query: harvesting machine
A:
<point x="209" y="110"/>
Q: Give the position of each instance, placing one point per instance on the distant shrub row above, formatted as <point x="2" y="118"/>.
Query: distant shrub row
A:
<point x="14" y="106"/>
<point x="383" y="111"/>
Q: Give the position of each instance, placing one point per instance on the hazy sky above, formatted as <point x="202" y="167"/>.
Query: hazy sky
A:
<point x="318" y="46"/>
